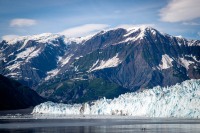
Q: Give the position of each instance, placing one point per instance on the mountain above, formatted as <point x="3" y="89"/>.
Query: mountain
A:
<point x="180" y="101"/>
<point x="108" y="63"/>
<point x="14" y="95"/>
<point x="29" y="58"/>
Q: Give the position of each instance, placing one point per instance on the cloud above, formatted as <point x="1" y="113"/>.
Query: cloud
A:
<point x="180" y="10"/>
<point x="84" y="30"/>
<point x="9" y="37"/>
<point x="21" y="22"/>
<point x="134" y="25"/>
<point x="198" y="33"/>
<point x="191" y="23"/>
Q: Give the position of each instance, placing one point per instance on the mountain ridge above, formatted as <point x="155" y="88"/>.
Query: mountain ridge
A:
<point x="14" y="95"/>
<point x="132" y="59"/>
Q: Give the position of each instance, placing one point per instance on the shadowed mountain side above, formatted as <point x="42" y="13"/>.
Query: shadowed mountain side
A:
<point x="14" y="95"/>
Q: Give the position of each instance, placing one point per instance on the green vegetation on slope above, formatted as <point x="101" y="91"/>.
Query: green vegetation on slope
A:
<point x="78" y="91"/>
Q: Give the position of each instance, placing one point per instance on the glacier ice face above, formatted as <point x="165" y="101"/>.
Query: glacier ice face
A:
<point x="181" y="100"/>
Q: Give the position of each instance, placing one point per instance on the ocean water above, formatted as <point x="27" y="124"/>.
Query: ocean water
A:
<point x="99" y="126"/>
<point x="21" y="121"/>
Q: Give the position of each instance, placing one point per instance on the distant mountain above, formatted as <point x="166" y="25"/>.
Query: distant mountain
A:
<point x="106" y="64"/>
<point x="14" y="95"/>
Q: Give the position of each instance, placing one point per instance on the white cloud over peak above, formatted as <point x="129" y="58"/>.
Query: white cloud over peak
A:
<point x="180" y="10"/>
<point x="84" y="30"/>
<point x="22" y="22"/>
<point x="9" y="37"/>
<point x="135" y="25"/>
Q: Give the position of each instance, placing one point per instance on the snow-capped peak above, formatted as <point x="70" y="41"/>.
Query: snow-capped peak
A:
<point x="135" y="33"/>
<point x="179" y="36"/>
<point x="42" y="38"/>
<point x="141" y="28"/>
<point x="77" y="40"/>
<point x="47" y="38"/>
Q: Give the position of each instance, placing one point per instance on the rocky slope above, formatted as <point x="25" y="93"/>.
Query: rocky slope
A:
<point x="67" y="69"/>
<point x="14" y="95"/>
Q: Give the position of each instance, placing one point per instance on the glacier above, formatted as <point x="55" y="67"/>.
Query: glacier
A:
<point x="181" y="101"/>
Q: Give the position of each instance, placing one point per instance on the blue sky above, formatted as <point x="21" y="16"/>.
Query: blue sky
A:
<point x="82" y="17"/>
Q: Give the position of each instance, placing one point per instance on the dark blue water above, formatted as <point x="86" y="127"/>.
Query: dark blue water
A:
<point x="99" y="126"/>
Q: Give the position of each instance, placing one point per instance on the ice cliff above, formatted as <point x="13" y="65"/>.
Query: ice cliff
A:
<point x="181" y="100"/>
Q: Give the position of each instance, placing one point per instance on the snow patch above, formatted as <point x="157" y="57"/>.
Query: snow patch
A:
<point x="179" y="36"/>
<point x="181" y="101"/>
<point x="112" y="62"/>
<point x="64" y="61"/>
<point x="28" y="53"/>
<point x="194" y="43"/>
<point x="185" y="63"/>
<point x="13" y="74"/>
<point x="166" y="62"/>
<point x="78" y="57"/>
<point x="35" y="53"/>
<point x="14" y="66"/>
<point x="153" y="32"/>
<point x="24" y="54"/>
<point x="51" y="74"/>
<point x="93" y="66"/>
<point x="24" y="45"/>
<point x="193" y="57"/>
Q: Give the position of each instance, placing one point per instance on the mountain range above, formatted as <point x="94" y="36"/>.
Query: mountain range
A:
<point x="106" y="64"/>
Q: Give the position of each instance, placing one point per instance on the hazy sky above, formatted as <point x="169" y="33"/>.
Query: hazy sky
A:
<point x="82" y="17"/>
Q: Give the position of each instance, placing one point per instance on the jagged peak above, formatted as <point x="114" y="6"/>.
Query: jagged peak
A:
<point x="129" y="28"/>
<point x="78" y="40"/>
<point x="47" y="38"/>
<point x="141" y="28"/>
<point x="138" y="32"/>
<point x="141" y="31"/>
<point x="42" y="38"/>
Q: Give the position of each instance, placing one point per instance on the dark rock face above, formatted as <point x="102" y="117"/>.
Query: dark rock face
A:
<point x="128" y="59"/>
<point x="14" y="95"/>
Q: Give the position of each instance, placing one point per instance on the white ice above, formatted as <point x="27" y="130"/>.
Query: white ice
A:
<point x="181" y="100"/>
